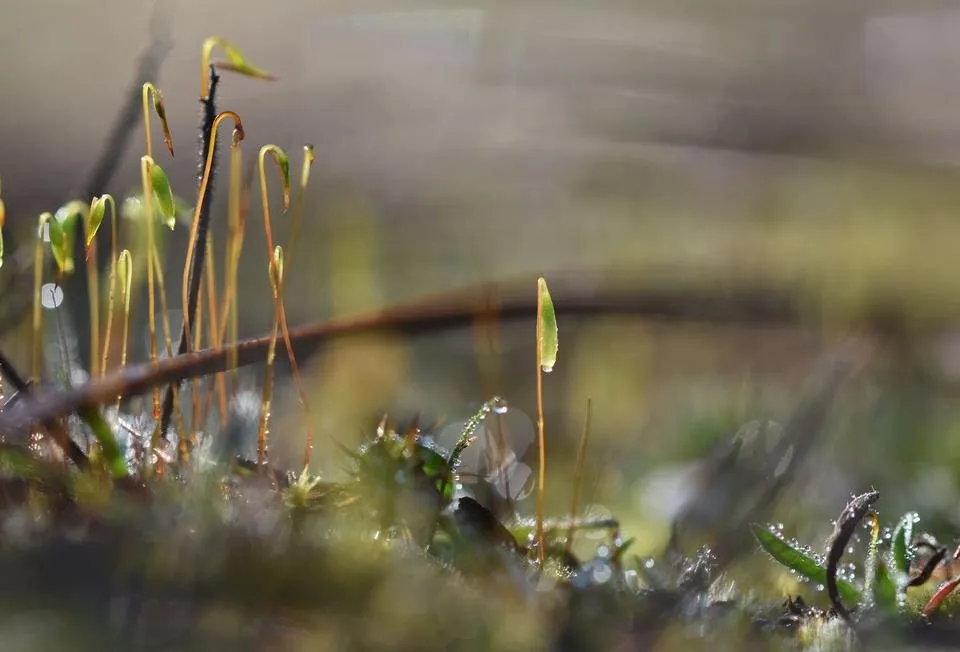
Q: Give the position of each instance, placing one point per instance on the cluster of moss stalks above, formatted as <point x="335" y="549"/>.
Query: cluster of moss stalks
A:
<point x="133" y="525"/>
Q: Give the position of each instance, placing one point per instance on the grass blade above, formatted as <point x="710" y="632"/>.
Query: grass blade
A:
<point x="885" y="589"/>
<point x="901" y="543"/>
<point x="800" y="562"/>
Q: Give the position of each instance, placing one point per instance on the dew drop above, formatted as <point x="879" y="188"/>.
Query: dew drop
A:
<point x="547" y="368"/>
<point x="51" y="296"/>
<point x="602" y="573"/>
<point x="649" y="563"/>
<point x="500" y="406"/>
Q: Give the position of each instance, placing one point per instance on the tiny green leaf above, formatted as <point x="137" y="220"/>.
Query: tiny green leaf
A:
<point x="98" y="208"/>
<point x="63" y="229"/>
<point x="125" y="270"/>
<point x="800" y="563"/>
<point x="309" y="155"/>
<point x="276" y="268"/>
<point x="237" y="63"/>
<point x="549" y="339"/>
<point x="164" y="195"/>
<point x="901" y="543"/>
<point x="108" y="443"/>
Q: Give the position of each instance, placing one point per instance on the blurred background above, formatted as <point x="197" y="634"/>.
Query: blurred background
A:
<point x="681" y="146"/>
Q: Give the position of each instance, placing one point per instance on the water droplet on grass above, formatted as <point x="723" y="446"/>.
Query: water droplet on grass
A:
<point x="51" y="296"/>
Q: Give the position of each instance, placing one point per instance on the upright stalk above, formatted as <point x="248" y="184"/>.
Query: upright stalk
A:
<point x="541" y="445"/>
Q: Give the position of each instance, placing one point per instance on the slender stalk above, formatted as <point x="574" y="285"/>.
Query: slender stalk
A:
<point x="187" y="296"/>
<point x="191" y="276"/>
<point x="308" y="158"/>
<point x="541" y="444"/>
<point x="151" y="257"/>
<point x="42" y="225"/>
<point x="149" y="90"/>
<point x="197" y="250"/>
<point x="239" y="204"/>
<point x="93" y="289"/>
<point x="213" y="332"/>
<point x="275" y="270"/>
<point x="125" y="272"/>
<point x="167" y="338"/>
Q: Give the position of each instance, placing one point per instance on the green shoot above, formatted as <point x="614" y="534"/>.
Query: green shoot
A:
<point x="900" y="547"/>
<point x="125" y="274"/>
<point x="799" y="562"/>
<point x="97" y="211"/>
<point x="235" y="63"/>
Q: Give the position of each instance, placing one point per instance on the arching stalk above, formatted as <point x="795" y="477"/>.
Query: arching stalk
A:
<point x="147" y="166"/>
<point x="188" y="264"/>
<point x="283" y="163"/>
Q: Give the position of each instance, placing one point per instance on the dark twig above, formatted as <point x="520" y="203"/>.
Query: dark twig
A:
<point x="427" y="316"/>
<point x="57" y="432"/>
<point x="200" y="246"/>
<point x="847" y="523"/>
<point x="927" y="571"/>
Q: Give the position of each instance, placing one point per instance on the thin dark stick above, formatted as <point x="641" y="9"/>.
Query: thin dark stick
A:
<point x="921" y="578"/>
<point x="200" y="246"/>
<point x="57" y="432"/>
<point x="428" y="316"/>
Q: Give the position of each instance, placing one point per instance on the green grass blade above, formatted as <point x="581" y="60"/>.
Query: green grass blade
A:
<point x="108" y="443"/>
<point x="801" y="563"/>
<point x="901" y="543"/>
<point x="870" y="575"/>
<point x="885" y="589"/>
